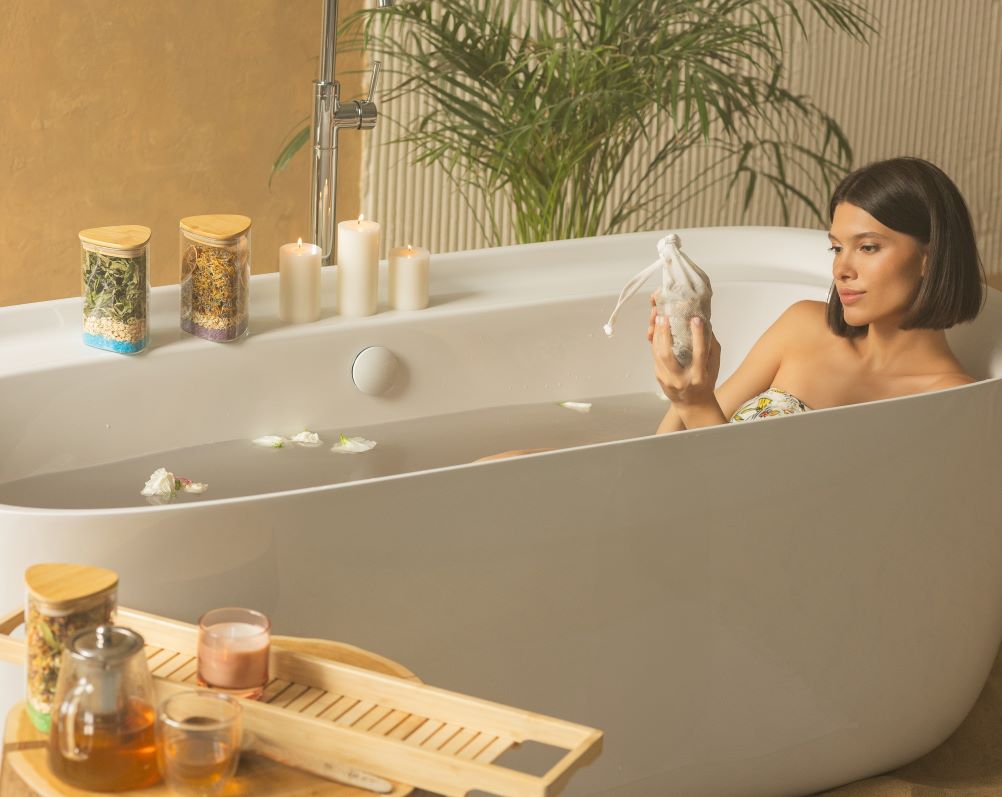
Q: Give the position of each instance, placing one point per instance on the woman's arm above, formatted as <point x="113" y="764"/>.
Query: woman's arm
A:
<point x="755" y="374"/>
<point x="672" y="422"/>
<point x="708" y="413"/>
<point x="693" y="418"/>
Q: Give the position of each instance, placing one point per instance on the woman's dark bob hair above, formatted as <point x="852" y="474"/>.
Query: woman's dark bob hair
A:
<point x="914" y="197"/>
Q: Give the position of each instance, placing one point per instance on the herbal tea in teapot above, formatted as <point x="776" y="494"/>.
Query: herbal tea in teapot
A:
<point x="107" y="752"/>
<point x="103" y="736"/>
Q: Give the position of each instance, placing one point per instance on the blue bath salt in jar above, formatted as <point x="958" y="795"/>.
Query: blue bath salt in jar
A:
<point x="115" y="285"/>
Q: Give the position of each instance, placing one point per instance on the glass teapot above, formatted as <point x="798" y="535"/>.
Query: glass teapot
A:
<point x="102" y="736"/>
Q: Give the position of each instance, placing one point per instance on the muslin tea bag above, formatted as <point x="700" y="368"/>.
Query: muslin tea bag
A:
<point x="685" y="293"/>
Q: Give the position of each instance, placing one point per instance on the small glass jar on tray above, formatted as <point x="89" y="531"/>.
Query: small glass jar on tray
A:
<point x="62" y="600"/>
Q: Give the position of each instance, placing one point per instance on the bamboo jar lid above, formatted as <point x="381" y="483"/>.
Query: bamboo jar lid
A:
<point x="217" y="227"/>
<point x="60" y="585"/>
<point x="123" y="236"/>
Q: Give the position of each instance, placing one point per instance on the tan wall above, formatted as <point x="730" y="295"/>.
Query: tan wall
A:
<point x="928" y="85"/>
<point x="140" y="112"/>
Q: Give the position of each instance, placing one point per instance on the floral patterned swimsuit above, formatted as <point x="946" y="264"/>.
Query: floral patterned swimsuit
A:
<point x="769" y="404"/>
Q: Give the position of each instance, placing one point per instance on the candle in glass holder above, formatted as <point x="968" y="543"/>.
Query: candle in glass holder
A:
<point x="409" y="277"/>
<point x="233" y="647"/>
<point x="299" y="282"/>
<point x="357" y="267"/>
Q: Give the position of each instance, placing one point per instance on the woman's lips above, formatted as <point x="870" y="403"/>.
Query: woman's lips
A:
<point x="850" y="297"/>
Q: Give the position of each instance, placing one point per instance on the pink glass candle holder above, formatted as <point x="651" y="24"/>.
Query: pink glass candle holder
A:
<point x="233" y="649"/>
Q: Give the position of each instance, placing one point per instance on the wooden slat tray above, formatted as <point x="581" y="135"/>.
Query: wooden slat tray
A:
<point x="319" y="710"/>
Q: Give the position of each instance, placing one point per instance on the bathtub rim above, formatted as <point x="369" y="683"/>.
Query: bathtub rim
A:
<point x="479" y="276"/>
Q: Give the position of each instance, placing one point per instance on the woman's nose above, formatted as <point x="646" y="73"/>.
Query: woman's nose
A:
<point x="842" y="267"/>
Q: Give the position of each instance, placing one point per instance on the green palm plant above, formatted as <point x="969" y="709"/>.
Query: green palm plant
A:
<point x="548" y="114"/>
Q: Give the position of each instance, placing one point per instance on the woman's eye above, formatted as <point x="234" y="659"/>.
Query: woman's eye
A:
<point x="869" y="248"/>
<point x="835" y="249"/>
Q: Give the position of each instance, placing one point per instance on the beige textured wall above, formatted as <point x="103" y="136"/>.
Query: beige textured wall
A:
<point x="928" y="85"/>
<point x="141" y="112"/>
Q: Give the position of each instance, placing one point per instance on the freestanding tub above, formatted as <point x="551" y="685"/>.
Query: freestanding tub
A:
<point x="765" y="608"/>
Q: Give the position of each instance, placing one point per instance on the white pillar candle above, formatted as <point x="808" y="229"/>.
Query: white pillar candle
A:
<point x="357" y="267"/>
<point x="299" y="282"/>
<point x="409" y="277"/>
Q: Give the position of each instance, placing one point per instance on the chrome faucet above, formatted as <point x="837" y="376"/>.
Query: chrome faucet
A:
<point x="330" y="115"/>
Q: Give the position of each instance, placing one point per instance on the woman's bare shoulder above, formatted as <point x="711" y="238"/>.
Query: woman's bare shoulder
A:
<point x="952" y="380"/>
<point x="802" y="321"/>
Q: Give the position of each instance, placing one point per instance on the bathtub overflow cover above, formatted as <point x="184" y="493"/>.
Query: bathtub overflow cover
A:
<point x="374" y="370"/>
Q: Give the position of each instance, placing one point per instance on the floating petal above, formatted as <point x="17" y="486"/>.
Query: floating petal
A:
<point x="308" y="439"/>
<point x="269" y="441"/>
<point x="577" y="406"/>
<point x="195" y="487"/>
<point x="161" y="484"/>
<point x="352" y="445"/>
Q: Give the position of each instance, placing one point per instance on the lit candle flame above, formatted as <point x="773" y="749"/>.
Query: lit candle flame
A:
<point x="361" y="218"/>
<point x="299" y="245"/>
<point x="410" y="250"/>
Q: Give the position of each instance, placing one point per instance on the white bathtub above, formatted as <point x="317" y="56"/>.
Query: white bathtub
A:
<point x="713" y="600"/>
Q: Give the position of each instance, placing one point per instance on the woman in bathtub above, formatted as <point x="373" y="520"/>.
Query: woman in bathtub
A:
<point x="905" y="269"/>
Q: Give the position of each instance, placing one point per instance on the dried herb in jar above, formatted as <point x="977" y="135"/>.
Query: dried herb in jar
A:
<point x="115" y="277"/>
<point x="62" y="600"/>
<point x="46" y="636"/>
<point x="215" y="274"/>
<point x="216" y="291"/>
<point x="115" y="300"/>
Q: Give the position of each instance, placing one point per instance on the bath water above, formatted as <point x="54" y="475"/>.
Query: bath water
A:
<point x="236" y="468"/>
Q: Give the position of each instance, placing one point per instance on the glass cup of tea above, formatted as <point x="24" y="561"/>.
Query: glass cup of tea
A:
<point x="198" y="741"/>
<point x="233" y="647"/>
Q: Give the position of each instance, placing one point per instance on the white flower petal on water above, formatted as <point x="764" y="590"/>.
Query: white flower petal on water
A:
<point x="308" y="439"/>
<point x="161" y="484"/>
<point x="577" y="406"/>
<point x="195" y="487"/>
<point x="352" y="445"/>
<point x="269" y="441"/>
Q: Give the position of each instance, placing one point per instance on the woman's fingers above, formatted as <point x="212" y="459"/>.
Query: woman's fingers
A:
<point x="699" y="346"/>
<point x="663" y="344"/>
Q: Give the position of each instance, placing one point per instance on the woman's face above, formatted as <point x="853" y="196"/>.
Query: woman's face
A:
<point x="877" y="270"/>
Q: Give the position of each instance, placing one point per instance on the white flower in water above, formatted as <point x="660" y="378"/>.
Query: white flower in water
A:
<point x="352" y="445"/>
<point x="577" y="406"/>
<point x="269" y="441"/>
<point x="161" y="484"/>
<point x="308" y="439"/>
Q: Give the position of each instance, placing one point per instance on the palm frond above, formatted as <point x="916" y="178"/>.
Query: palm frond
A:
<point x="550" y="113"/>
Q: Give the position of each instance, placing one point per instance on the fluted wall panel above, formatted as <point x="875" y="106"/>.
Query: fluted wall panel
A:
<point x="927" y="85"/>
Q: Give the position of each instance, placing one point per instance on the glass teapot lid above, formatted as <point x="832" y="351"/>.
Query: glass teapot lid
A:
<point x="106" y="645"/>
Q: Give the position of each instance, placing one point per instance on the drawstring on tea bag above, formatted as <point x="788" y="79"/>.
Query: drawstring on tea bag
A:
<point x="685" y="293"/>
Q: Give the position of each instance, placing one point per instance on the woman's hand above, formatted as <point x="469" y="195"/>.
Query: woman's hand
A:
<point x="692" y="386"/>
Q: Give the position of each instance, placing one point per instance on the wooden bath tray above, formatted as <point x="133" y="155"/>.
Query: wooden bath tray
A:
<point x="319" y="710"/>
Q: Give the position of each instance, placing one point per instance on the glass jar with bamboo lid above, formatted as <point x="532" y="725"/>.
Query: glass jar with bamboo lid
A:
<point x="215" y="275"/>
<point x="61" y="601"/>
<point x="115" y="277"/>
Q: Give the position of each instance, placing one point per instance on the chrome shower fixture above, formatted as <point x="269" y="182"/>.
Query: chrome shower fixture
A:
<point x="330" y="115"/>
